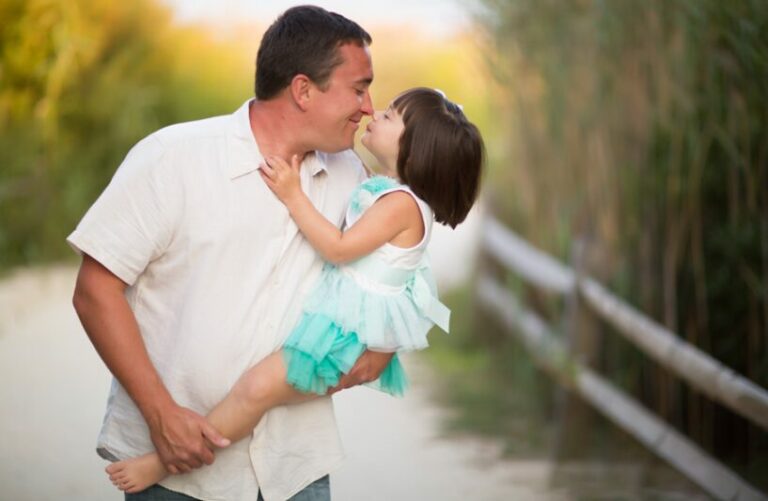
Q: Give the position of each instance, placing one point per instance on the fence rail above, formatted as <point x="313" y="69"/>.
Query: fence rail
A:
<point x="697" y="368"/>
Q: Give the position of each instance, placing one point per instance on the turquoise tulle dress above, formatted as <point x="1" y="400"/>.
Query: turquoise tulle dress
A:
<point x="385" y="301"/>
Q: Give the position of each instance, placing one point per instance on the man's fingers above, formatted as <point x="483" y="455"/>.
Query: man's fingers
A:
<point x="185" y="468"/>
<point x="346" y="381"/>
<point x="336" y="388"/>
<point x="178" y="468"/>
<point x="188" y="462"/>
<point x="204" y="456"/>
<point x="213" y="435"/>
<point x="208" y="459"/>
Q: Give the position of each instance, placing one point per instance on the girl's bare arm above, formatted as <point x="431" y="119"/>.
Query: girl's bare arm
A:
<point x="388" y="217"/>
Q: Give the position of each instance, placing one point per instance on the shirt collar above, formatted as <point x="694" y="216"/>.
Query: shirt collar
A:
<point x="245" y="156"/>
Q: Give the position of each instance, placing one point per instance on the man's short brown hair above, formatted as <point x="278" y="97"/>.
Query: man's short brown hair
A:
<point x="303" y="40"/>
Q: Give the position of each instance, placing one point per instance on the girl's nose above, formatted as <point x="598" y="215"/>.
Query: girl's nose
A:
<point x="377" y="114"/>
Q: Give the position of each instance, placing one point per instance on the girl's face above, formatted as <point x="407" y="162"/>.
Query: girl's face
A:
<point x="382" y="138"/>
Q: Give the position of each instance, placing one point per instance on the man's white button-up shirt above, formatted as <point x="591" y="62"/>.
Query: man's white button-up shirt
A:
<point x="217" y="272"/>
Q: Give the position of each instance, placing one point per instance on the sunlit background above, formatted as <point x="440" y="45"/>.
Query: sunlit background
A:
<point x="626" y="139"/>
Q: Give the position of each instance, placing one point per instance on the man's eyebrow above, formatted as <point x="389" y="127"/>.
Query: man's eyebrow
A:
<point x="366" y="80"/>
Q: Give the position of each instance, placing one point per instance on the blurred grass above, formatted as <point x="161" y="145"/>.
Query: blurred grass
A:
<point x="492" y="391"/>
<point x="640" y="128"/>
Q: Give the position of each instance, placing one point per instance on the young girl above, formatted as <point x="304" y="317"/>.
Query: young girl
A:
<point x="377" y="292"/>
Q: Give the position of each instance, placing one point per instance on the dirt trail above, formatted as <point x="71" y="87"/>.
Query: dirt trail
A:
<point x="53" y="388"/>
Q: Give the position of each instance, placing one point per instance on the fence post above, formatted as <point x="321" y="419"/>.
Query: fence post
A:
<point x="485" y="328"/>
<point x="574" y="418"/>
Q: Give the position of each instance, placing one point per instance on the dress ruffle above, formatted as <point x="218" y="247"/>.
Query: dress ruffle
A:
<point x="365" y="194"/>
<point x="319" y="351"/>
<point x="382" y="320"/>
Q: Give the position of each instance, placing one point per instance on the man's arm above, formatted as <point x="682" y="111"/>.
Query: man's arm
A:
<point x="182" y="438"/>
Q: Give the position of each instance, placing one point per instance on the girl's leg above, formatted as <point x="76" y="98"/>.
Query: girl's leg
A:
<point x="261" y="388"/>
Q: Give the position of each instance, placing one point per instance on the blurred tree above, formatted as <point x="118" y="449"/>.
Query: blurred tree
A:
<point x="80" y="82"/>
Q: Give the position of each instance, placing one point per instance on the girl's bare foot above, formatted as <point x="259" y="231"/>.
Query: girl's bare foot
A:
<point x="135" y="475"/>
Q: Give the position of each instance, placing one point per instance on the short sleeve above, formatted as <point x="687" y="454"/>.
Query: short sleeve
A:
<point x="131" y="223"/>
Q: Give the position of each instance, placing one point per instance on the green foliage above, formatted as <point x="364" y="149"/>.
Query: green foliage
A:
<point x="80" y="82"/>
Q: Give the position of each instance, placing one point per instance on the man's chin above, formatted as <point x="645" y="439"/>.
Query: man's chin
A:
<point x="336" y="149"/>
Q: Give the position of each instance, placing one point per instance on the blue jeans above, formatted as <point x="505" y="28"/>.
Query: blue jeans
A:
<point x="319" y="490"/>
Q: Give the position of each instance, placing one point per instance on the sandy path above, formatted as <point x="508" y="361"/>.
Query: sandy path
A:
<point x="53" y="388"/>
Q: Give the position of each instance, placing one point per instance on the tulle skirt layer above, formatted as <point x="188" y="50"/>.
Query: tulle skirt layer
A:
<point x="319" y="351"/>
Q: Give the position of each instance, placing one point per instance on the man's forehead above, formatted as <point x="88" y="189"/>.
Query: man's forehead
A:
<point x="356" y="63"/>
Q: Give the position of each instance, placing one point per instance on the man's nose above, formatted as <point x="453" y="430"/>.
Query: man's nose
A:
<point x="367" y="106"/>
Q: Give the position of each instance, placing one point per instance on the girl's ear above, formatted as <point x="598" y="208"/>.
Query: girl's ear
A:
<point x="301" y="87"/>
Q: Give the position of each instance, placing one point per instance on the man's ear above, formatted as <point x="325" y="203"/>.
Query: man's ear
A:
<point x="301" y="89"/>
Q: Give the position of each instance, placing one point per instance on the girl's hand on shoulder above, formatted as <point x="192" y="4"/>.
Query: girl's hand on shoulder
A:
<point x="283" y="179"/>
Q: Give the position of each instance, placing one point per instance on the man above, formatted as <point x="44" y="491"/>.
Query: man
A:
<point x="193" y="271"/>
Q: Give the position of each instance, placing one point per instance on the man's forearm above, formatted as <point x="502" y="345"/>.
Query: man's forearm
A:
<point x="112" y="328"/>
<point x="180" y="435"/>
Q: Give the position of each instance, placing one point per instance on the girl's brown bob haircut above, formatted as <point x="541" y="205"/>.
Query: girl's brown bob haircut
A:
<point x="441" y="154"/>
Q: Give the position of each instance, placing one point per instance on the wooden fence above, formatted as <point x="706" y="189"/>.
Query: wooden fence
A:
<point x="552" y="354"/>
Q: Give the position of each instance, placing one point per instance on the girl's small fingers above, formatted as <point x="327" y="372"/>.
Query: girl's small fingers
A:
<point x="266" y="170"/>
<point x="270" y="184"/>
<point x="276" y="163"/>
<point x="295" y="162"/>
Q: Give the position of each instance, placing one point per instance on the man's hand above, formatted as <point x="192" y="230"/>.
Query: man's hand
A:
<point x="367" y="368"/>
<point x="183" y="439"/>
